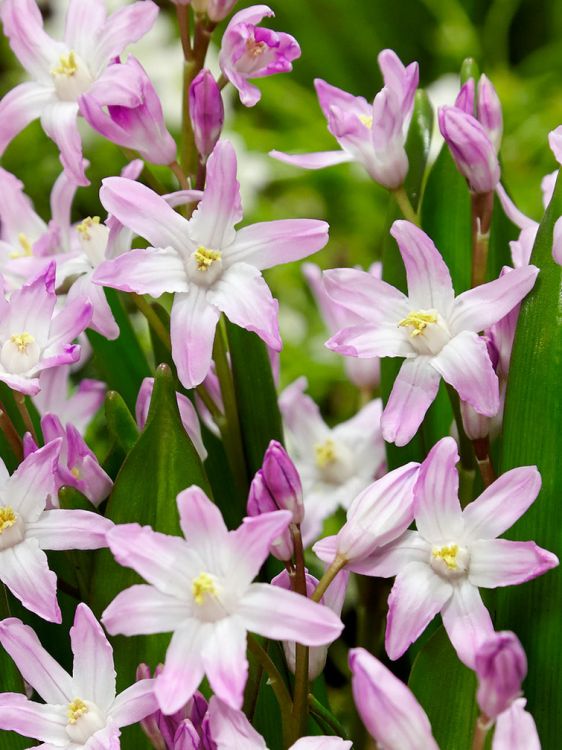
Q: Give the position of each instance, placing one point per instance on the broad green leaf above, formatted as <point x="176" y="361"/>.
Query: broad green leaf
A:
<point x="531" y="436"/>
<point x="446" y="690"/>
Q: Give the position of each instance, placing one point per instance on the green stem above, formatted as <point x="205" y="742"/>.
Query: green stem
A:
<point x="153" y="320"/>
<point x="327" y="578"/>
<point x="481" y="729"/>
<point x="327" y="718"/>
<point x="7" y="427"/>
<point x="482" y="207"/>
<point x="222" y="81"/>
<point x="401" y="197"/>
<point x="300" y="693"/>
<point x="180" y="175"/>
<point x="207" y="399"/>
<point x="19" y="398"/>
<point x="275" y="680"/>
<point x="467" y="463"/>
<point x="484" y="461"/>
<point x="184" y="27"/>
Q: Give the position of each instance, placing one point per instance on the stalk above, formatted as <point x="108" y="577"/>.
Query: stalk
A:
<point x="328" y="577"/>
<point x="481" y="729"/>
<point x="482" y="207"/>
<point x="300" y="693"/>
<point x="405" y="205"/>
<point x="484" y="461"/>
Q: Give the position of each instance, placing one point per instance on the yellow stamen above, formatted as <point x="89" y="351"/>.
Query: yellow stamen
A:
<point x="255" y="49"/>
<point x="448" y="554"/>
<point x="85" y="226"/>
<point x="204" y="585"/>
<point x="68" y="65"/>
<point x="418" y="320"/>
<point x="325" y="453"/>
<point x="22" y="341"/>
<point x="367" y="120"/>
<point x="205" y="257"/>
<point x="75" y="710"/>
<point x="8" y="517"/>
<point x="75" y="471"/>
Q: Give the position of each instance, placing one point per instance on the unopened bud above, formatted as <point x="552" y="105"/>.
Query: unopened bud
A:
<point x="490" y="111"/>
<point x="501" y="667"/>
<point x="206" y="111"/>
<point x="260" y="500"/>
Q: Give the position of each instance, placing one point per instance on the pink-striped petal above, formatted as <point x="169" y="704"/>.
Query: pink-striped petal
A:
<point x="84" y="21"/>
<point x="249" y="544"/>
<point x="389" y="560"/>
<point x="45" y="723"/>
<point x="201" y="522"/>
<point x="125" y="26"/>
<point x="225" y="662"/>
<point x="330" y="96"/>
<point x="70" y="529"/>
<point x="150" y="271"/>
<point x="301" y="416"/>
<point x="183" y="670"/>
<point x="193" y="324"/>
<point x="144" y="610"/>
<point x="94" y="674"/>
<point x="315" y="160"/>
<point x="32" y="482"/>
<point x="516" y="729"/>
<point x="134" y="704"/>
<point x="500" y="562"/>
<point x="230" y="729"/>
<point x="20" y="106"/>
<point x="467" y="621"/>
<point x="372" y="340"/>
<point x="23" y="25"/>
<point x="365" y="295"/>
<point x="59" y="121"/>
<point x="24" y="569"/>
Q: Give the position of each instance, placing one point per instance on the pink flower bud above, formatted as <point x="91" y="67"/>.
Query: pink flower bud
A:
<point x="471" y="148"/>
<point x="206" y="111"/>
<point x="475" y="425"/>
<point x="149" y="724"/>
<point x="465" y="98"/>
<point x="490" y="111"/>
<point x="215" y="9"/>
<point x="283" y="480"/>
<point x="501" y="666"/>
<point x="260" y="500"/>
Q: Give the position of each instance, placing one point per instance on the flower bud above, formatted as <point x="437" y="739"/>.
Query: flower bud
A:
<point x="206" y="111"/>
<point x="283" y="481"/>
<point x="260" y="500"/>
<point x="471" y="148"/>
<point x="490" y="111"/>
<point x="475" y="425"/>
<point x="149" y="724"/>
<point x="501" y="666"/>
<point x="465" y="98"/>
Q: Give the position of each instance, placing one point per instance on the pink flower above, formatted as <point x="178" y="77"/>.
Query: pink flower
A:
<point x="31" y="339"/>
<point x="206" y="111"/>
<point x="501" y="667"/>
<point x="516" y="729"/>
<point x="62" y="71"/>
<point x="440" y="567"/>
<point x="76" y="408"/>
<point x="250" y="51"/>
<point x="137" y="124"/>
<point x="27" y="528"/>
<point x="81" y="711"/>
<point x="334" y="464"/>
<point x="372" y="135"/>
<point x="210" y="266"/>
<point x="435" y="332"/>
<point x="387" y="707"/>
<point x="202" y="590"/>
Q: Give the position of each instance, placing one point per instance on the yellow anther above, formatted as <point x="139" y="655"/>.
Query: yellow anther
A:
<point x="325" y="453"/>
<point x="255" y="49"/>
<point x="8" y="517"/>
<point x="75" y="710"/>
<point x="22" y="341"/>
<point x="85" y="226"/>
<point x="75" y="471"/>
<point x="367" y="120"/>
<point x="204" y="585"/>
<point x="205" y="258"/>
<point x="418" y="320"/>
<point x="448" y="554"/>
<point x="68" y="65"/>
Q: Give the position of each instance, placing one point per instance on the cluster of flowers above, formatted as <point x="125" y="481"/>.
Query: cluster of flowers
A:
<point x="202" y="588"/>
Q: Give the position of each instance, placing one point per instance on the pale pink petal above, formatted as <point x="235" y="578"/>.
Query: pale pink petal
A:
<point x="17" y="212"/>
<point x="301" y="416"/>
<point x="125" y="26"/>
<point x="303" y="620"/>
<point x="315" y="160"/>
<point x="144" y="610"/>
<point x="183" y="670"/>
<point x="93" y="674"/>
<point x="70" y="529"/>
<point x="478" y="308"/>
<point x="102" y="317"/>
<point x="225" y="662"/>
<point x="134" y="703"/>
<point x="429" y="280"/>
<point x="502" y="503"/>
<point x="516" y="729"/>
<point x="45" y="723"/>
<point x="37" y="667"/>
<point x="150" y="271"/>
<point x="321" y="743"/>
<point x="201" y="522"/>
<point x="23" y="25"/>
<point x="389" y="560"/>
<point x="372" y="340"/>
<point x="26" y="385"/>
<point x="500" y="562"/>
<point x="193" y="324"/>
<point x="388" y="708"/>
<point x="24" y="569"/>
<point x="106" y="739"/>
<point x="249" y="544"/>
<point x="417" y="596"/>
<point x="31" y="306"/>
<point x="437" y="507"/>
<point x="220" y="209"/>
<point x="84" y="20"/>
<point x="231" y="730"/>
<point x="557" y="241"/>
<point x="467" y="621"/>
<point x="520" y="219"/>
<point x="465" y="364"/>
<point x="271" y="243"/>
<point x="69" y="323"/>
<point x="62" y="196"/>
<point x="412" y="394"/>
<point x="243" y="296"/>
<point x="19" y="107"/>
<point x="32" y="482"/>
<point x="59" y="121"/>
<point x="365" y="295"/>
<point x="330" y="96"/>
<point x="145" y="212"/>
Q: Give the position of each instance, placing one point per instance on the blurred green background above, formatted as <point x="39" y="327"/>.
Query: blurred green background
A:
<point x="516" y="42"/>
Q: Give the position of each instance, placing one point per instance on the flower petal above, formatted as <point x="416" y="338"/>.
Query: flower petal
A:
<point x="271" y="243"/>
<point x="465" y="364"/>
<point x="249" y="544"/>
<point x="413" y="392"/>
<point x="231" y="730"/>
<point x="94" y="674"/>
<point x="301" y="416"/>
<point x="125" y="26"/>
<point x="153" y="271"/>
<point x="20" y="106"/>
<point x="70" y="529"/>
<point x="371" y="340"/>
<point x="225" y="662"/>
<point x="84" y="21"/>
<point x="417" y="596"/>
<point x="315" y="160"/>
<point x="59" y="121"/>
<point x="502" y="503"/>
<point x="467" y="621"/>
<point x="45" y="723"/>
<point x="23" y="25"/>
<point x="24" y="569"/>
<point x="193" y="324"/>
<point x="500" y="562"/>
<point x="32" y="482"/>
<point x="35" y="664"/>
<point x="144" y="610"/>
<point x="183" y="670"/>
<point x="201" y="522"/>
<point x="135" y="703"/>
<point x="389" y="560"/>
<point x="516" y="729"/>
<point x="369" y="297"/>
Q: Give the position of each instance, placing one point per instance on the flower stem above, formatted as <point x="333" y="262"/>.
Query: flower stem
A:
<point x="482" y="207"/>
<point x="19" y="398"/>
<point x="328" y="577"/>
<point x="222" y="81"/>
<point x="484" y="461"/>
<point x="481" y="729"/>
<point x="180" y="176"/>
<point x="184" y="27"/>
<point x="207" y="399"/>
<point x="7" y="427"/>
<point x="401" y="197"/>
<point x="300" y="693"/>
<point x="153" y="320"/>
<point x="326" y="718"/>
<point x="275" y="680"/>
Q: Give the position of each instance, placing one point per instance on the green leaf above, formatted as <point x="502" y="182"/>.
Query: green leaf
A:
<point x="531" y="436"/>
<point x="446" y="690"/>
<point x="469" y="69"/>
<point x="11" y="680"/>
<point x="502" y="232"/>
<point x="120" y="421"/>
<point x="417" y="146"/>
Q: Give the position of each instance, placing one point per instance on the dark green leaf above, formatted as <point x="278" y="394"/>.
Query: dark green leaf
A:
<point x="120" y="421"/>
<point x="417" y="146"/>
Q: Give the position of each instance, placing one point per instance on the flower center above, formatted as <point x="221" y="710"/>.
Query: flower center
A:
<point x="204" y="266"/>
<point x="334" y="461"/>
<point x="84" y="720"/>
<point x="367" y="120"/>
<point x="254" y="48"/>
<point x="71" y="76"/>
<point x="428" y="331"/>
<point x="8" y="518"/>
<point x="418" y="321"/>
<point x="26" y="247"/>
<point x="325" y="453"/>
<point x="85" y="227"/>
<point x="12" y="529"/>
<point x="93" y="236"/>
<point x="204" y="258"/>
<point x="75" y="471"/>
<point x="205" y="585"/>
<point x="22" y="341"/>
<point x="450" y="560"/>
<point x="20" y="353"/>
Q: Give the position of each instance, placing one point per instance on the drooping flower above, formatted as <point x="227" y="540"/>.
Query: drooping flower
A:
<point x="202" y="590"/>
<point x="210" y="266"/>
<point x="62" y="71"/>
<point x="387" y="707"/>
<point x="27" y="528"/>
<point x="206" y="111"/>
<point x="250" y="51"/>
<point x="440" y="567"/>
<point x="501" y="667"/>
<point x="31" y="339"/>
<point x="76" y="408"/>
<point x="435" y="332"/>
<point x="334" y="464"/>
<point x="82" y="711"/>
<point x="372" y="135"/>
